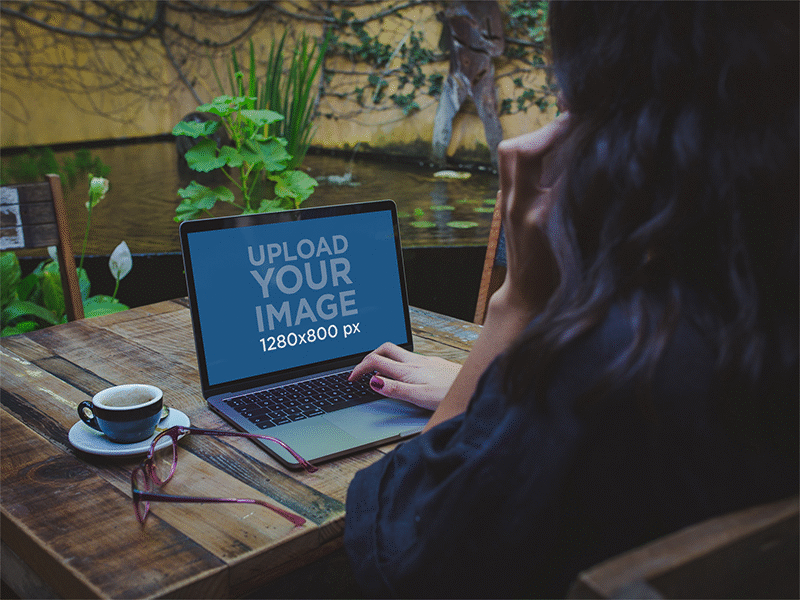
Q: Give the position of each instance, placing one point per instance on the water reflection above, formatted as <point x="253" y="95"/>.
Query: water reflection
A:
<point x="144" y="180"/>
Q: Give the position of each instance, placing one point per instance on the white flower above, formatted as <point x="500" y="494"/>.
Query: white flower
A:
<point x="121" y="261"/>
<point x="98" y="187"/>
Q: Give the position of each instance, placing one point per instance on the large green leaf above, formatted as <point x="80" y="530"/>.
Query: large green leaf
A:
<point x="273" y="205"/>
<point x="261" y="117"/>
<point x="30" y="288"/>
<point x="100" y="305"/>
<point x="294" y="184"/>
<point x="231" y="156"/>
<point x="198" y="199"/>
<point x="53" y="292"/>
<point x="223" y="105"/>
<point x="20" y="327"/>
<point x="186" y="211"/>
<point x="23" y="308"/>
<point x="205" y="197"/>
<point x="271" y="153"/>
<point x="10" y="276"/>
<point x="83" y="283"/>
<point x="203" y="157"/>
<point x="195" y="129"/>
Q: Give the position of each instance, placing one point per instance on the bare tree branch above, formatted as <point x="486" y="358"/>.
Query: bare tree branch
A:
<point x="74" y="32"/>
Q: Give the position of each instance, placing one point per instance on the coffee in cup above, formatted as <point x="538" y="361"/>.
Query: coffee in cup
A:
<point x="124" y="413"/>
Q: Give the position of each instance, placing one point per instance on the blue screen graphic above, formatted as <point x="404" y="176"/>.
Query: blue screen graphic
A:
<point x="275" y="296"/>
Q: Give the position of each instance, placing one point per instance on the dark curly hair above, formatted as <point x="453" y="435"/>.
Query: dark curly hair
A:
<point x="682" y="180"/>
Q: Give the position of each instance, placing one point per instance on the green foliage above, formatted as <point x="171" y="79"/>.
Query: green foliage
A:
<point x="525" y="32"/>
<point x="528" y="18"/>
<point x="526" y="35"/>
<point x="287" y="92"/>
<point x="35" y="163"/>
<point x="81" y="164"/>
<point x="37" y="300"/>
<point x="256" y="154"/>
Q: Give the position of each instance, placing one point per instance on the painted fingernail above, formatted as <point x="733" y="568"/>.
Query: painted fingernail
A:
<point x="376" y="383"/>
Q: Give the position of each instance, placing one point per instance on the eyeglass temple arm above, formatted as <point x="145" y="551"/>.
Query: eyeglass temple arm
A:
<point x="303" y="462"/>
<point x="296" y="520"/>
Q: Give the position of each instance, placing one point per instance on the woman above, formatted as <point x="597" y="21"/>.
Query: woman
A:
<point x="638" y="369"/>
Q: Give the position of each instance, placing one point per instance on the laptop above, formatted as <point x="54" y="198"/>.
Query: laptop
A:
<point x="284" y="305"/>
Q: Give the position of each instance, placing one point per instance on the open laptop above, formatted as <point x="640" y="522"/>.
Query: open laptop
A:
<point x="284" y="302"/>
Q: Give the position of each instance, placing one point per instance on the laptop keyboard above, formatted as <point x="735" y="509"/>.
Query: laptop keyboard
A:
<point x="311" y="398"/>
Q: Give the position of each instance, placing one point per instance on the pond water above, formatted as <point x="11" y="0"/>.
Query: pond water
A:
<point x="144" y="177"/>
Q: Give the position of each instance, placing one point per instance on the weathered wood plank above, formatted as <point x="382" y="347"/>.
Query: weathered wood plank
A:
<point x="24" y="347"/>
<point x="133" y="314"/>
<point x="86" y="548"/>
<point x="119" y="360"/>
<point x="45" y="403"/>
<point x="167" y="334"/>
<point x="443" y="329"/>
<point x="435" y="348"/>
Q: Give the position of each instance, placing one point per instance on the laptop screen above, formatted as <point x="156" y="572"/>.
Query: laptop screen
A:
<point x="279" y="291"/>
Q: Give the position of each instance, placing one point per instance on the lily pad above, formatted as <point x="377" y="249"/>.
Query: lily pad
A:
<point x="440" y="207"/>
<point x="453" y="174"/>
<point x="483" y="209"/>
<point x="462" y="224"/>
<point x="423" y="224"/>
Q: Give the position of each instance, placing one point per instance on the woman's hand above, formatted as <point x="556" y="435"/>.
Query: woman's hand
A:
<point x="403" y="375"/>
<point x="530" y="168"/>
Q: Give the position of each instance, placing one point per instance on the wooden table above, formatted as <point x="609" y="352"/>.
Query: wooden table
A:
<point x="68" y="526"/>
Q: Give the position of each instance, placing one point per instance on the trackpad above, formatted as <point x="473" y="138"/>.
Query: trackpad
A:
<point x="313" y="439"/>
<point x="380" y="420"/>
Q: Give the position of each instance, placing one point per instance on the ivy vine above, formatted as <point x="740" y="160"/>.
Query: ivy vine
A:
<point x="525" y="36"/>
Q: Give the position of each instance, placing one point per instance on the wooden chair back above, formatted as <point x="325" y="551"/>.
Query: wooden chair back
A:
<point x="752" y="553"/>
<point x="494" y="266"/>
<point x="32" y="215"/>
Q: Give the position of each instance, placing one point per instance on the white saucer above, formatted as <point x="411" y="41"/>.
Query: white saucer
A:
<point x="92" y="441"/>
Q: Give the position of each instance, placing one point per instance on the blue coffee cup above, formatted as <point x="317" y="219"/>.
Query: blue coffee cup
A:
<point x="124" y="413"/>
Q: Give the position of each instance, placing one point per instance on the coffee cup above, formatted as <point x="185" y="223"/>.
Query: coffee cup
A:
<point x="124" y="413"/>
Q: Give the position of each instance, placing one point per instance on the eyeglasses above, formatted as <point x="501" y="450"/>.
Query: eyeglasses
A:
<point x="149" y="475"/>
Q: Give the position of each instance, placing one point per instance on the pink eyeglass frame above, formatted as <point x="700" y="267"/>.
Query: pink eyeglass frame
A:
<point x="150" y="477"/>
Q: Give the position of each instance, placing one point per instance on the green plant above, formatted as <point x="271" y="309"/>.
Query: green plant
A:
<point x="254" y="154"/>
<point x="37" y="300"/>
<point x="35" y="163"/>
<point x="526" y="37"/>
<point x="286" y="92"/>
<point x="528" y="18"/>
<point x="98" y="188"/>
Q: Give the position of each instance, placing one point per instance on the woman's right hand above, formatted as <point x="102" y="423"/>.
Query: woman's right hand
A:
<point x="404" y="375"/>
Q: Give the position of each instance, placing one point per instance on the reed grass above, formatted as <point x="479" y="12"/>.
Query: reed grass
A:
<point x="288" y="91"/>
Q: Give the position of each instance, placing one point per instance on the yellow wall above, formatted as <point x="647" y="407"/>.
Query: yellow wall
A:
<point x="131" y="105"/>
